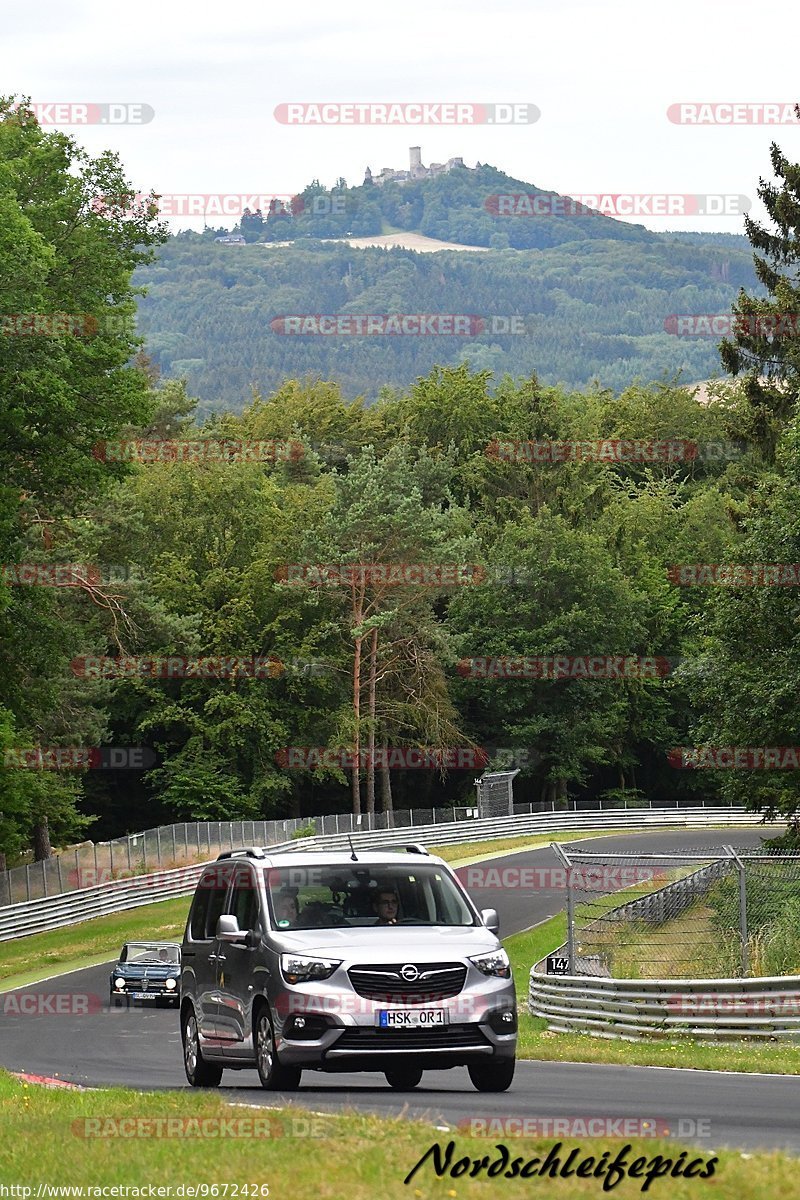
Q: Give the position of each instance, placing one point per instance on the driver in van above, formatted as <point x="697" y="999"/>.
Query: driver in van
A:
<point x="386" y="905"/>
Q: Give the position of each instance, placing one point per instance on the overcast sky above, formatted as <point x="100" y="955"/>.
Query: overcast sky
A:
<point x="603" y="76"/>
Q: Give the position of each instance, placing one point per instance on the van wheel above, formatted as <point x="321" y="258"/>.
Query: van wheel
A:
<point x="403" y="1079"/>
<point x="492" y="1076"/>
<point x="273" y="1076"/>
<point x="199" y="1072"/>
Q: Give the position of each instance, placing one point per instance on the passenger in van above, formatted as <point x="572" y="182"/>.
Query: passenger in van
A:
<point x="286" y="908"/>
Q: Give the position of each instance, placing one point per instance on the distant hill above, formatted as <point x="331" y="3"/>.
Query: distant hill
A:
<point x="472" y="207"/>
<point x="588" y="299"/>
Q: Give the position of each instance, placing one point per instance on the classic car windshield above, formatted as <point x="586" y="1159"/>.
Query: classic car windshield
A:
<point x="342" y="896"/>
<point x="150" y="952"/>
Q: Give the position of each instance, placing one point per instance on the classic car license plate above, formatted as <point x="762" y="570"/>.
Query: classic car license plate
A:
<point x="412" y="1018"/>
<point x="145" y="995"/>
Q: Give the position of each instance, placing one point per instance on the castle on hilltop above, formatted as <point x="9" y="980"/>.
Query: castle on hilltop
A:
<point x="416" y="170"/>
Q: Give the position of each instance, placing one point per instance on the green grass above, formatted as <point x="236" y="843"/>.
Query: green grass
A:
<point x="348" y="1155"/>
<point x="24" y="960"/>
<point x="536" y="1041"/>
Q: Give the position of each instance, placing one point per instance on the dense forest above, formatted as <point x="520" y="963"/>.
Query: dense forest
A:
<point x="250" y="544"/>
<point x="594" y="294"/>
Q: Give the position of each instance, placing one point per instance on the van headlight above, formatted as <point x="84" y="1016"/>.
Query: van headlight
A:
<point x="299" y="968"/>
<point x="494" y="963"/>
<point x="170" y="985"/>
<point x="119" y="983"/>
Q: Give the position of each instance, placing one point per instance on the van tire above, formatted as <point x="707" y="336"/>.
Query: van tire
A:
<point x="403" y="1079"/>
<point x="493" y="1076"/>
<point x="199" y="1072"/>
<point x="274" y="1077"/>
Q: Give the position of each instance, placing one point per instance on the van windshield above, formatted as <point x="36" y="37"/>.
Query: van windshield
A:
<point x="354" y="895"/>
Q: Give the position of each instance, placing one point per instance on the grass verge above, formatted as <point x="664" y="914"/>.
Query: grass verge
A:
<point x="27" y="959"/>
<point x="45" y="1142"/>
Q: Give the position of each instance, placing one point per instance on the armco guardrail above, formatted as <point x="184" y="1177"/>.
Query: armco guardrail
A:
<point x="116" y="895"/>
<point x="652" y="908"/>
<point x="171" y="846"/>
<point x="709" y="1009"/>
<point x="52" y="912"/>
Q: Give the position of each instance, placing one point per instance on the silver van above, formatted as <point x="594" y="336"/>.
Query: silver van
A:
<point x="367" y="961"/>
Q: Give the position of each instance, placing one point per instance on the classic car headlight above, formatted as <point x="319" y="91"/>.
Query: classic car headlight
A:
<point x="170" y="985"/>
<point x="299" y="968"/>
<point x="119" y="983"/>
<point x="494" y="963"/>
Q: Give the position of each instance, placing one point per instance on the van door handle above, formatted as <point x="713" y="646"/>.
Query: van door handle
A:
<point x="219" y="957"/>
<point x="212" y="958"/>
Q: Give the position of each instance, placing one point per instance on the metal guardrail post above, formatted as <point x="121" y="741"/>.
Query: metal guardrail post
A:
<point x="742" y="909"/>
<point x="566" y="863"/>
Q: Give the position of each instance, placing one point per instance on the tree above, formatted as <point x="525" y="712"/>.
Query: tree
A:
<point x="765" y="348"/>
<point x="743" y="679"/>
<point x="70" y="236"/>
<point x="394" y="511"/>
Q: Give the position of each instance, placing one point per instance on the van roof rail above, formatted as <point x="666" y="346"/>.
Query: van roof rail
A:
<point x="409" y="847"/>
<point x="242" y="852"/>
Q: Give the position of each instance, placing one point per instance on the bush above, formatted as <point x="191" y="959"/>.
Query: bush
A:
<point x="304" y="831"/>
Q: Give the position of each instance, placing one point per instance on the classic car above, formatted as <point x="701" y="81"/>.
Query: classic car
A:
<point x="147" y="971"/>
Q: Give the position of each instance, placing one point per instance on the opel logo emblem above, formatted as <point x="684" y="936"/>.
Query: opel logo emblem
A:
<point x="409" y="972"/>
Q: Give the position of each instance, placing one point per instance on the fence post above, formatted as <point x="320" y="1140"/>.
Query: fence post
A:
<point x="27" y="881"/>
<point x="742" y="909"/>
<point x="158" y="843"/>
<point x="60" y="879"/>
<point x="130" y="864"/>
<point x="174" y="844"/>
<point x="564" y="859"/>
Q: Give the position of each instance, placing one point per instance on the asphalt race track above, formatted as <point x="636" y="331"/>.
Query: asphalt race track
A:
<point x="140" y="1047"/>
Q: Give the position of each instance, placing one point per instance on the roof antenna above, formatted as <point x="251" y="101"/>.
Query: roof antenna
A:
<point x="353" y="857"/>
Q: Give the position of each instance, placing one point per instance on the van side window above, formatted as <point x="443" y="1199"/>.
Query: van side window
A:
<point x="244" y="899"/>
<point x="209" y="900"/>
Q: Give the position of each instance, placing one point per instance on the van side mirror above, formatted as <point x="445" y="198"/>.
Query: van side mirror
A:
<point x="491" y="920"/>
<point x="228" y="930"/>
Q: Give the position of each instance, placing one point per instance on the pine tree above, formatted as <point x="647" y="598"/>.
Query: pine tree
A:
<point x="765" y="347"/>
